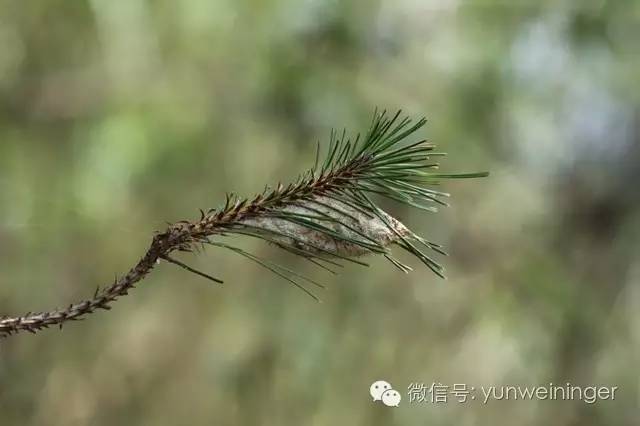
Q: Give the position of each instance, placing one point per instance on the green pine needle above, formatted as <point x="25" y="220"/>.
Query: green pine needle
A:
<point x="328" y="213"/>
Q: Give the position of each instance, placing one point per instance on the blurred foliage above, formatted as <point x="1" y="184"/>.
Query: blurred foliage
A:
<point x="118" y="116"/>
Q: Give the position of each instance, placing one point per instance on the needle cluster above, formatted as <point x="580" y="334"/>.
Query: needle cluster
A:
<point x="327" y="216"/>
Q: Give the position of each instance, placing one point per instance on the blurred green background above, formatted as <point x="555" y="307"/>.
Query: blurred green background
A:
<point x="117" y="116"/>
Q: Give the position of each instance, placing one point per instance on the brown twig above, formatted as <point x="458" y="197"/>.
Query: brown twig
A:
<point x="178" y="237"/>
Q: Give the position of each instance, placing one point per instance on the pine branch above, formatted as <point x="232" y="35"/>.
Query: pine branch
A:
<point x="326" y="216"/>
